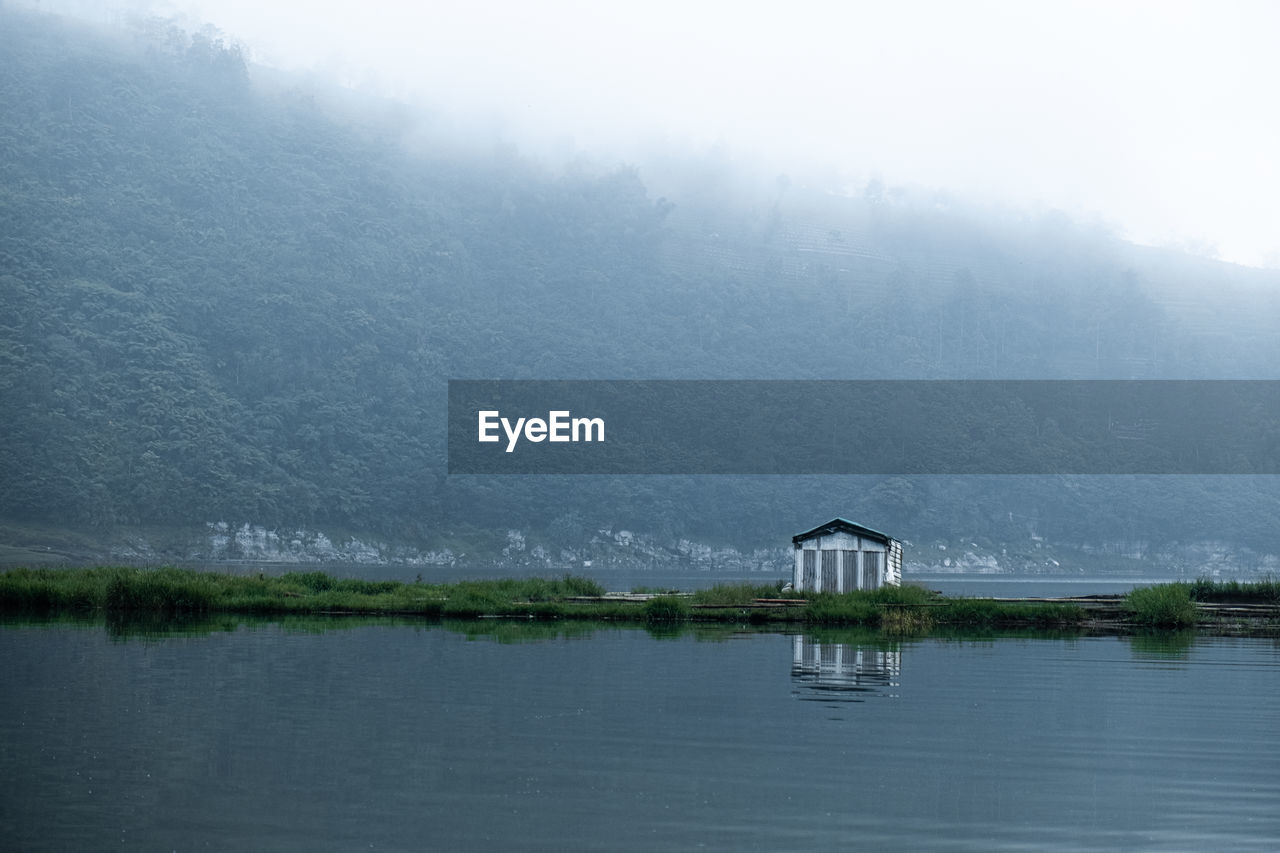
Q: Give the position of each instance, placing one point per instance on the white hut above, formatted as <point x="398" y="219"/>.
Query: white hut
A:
<point x="841" y="556"/>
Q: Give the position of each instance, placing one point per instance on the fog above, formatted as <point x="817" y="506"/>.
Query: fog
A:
<point x="1152" y="118"/>
<point x="236" y="295"/>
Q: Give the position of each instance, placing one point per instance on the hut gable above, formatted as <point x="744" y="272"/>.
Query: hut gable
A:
<point x="841" y="556"/>
<point x="842" y="525"/>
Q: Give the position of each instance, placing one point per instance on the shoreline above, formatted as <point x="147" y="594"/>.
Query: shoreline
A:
<point x="1228" y="609"/>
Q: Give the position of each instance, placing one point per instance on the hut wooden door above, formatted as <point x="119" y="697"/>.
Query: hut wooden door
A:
<point x="849" y="570"/>
<point x="830" y="578"/>
<point x="872" y="569"/>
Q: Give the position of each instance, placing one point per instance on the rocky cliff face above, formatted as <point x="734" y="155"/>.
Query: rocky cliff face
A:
<point x="618" y="548"/>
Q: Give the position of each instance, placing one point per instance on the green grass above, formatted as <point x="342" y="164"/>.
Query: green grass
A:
<point x="1163" y="606"/>
<point x="737" y="594"/>
<point x="914" y="610"/>
<point x="665" y="608"/>
<point x="182" y="591"/>
<point x="159" y="591"/>
<point x="984" y="613"/>
<point x="851" y="608"/>
<point x="173" y="592"/>
<point x="125" y="593"/>
<point x="1265" y="591"/>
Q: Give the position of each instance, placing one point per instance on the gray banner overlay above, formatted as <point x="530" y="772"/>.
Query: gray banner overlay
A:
<point x="864" y="427"/>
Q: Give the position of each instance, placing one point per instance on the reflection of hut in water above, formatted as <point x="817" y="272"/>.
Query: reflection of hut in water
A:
<point x="826" y="671"/>
<point x="841" y="556"/>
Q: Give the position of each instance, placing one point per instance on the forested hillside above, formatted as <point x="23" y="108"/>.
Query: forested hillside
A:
<point x="228" y="297"/>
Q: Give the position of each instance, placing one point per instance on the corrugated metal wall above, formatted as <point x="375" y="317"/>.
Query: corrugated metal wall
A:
<point x="847" y="562"/>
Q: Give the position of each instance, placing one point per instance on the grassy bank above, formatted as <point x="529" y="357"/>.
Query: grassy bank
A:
<point x="183" y="591"/>
<point x="175" y="592"/>
<point x="1204" y="601"/>
<point x="1265" y="591"/>
<point x="163" y="593"/>
<point x="1164" y="606"/>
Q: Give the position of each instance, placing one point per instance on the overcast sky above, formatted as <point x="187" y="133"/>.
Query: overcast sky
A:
<point x="1159" y="118"/>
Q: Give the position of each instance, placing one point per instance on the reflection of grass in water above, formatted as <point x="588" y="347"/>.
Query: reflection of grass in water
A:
<point x="528" y="631"/>
<point x="992" y="633"/>
<point x="151" y="626"/>
<point x="1163" y="645"/>
<point x="856" y="636"/>
<point x="147" y="626"/>
<point x="512" y="632"/>
<point x="903" y="621"/>
<point x="127" y="627"/>
<point x="159" y="626"/>
<point x="665" y="630"/>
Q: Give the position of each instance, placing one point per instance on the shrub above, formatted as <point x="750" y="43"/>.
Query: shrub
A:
<point x="363" y="587"/>
<point x="580" y="586"/>
<point x="27" y="589"/>
<point x="666" y="608"/>
<point x="854" y="608"/>
<point x="1266" y="590"/>
<point x="1164" y="606"/>
<point x="734" y="595"/>
<point x="313" y="581"/>
<point x="160" y="591"/>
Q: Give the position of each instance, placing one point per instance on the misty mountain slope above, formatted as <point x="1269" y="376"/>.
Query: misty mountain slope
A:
<point x="949" y="292"/>
<point x="229" y="301"/>
<point x="244" y="297"/>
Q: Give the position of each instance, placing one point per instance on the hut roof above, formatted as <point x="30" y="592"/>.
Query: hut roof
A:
<point x="842" y="524"/>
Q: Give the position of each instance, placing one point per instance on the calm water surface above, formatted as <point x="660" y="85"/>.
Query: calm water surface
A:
<point x="400" y="738"/>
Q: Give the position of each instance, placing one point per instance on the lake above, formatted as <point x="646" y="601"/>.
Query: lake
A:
<point x="498" y="736"/>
